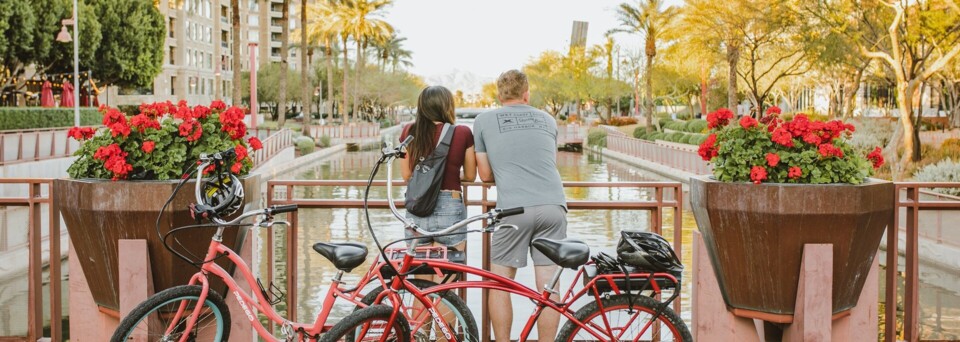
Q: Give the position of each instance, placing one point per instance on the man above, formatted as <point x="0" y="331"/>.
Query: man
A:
<point x="516" y="148"/>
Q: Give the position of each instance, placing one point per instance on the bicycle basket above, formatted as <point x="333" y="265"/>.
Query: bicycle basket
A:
<point x="648" y="252"/>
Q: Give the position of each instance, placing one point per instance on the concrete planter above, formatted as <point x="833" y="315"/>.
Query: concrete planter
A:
<point x="98" y="213"/>
<point x="754" y="236"/>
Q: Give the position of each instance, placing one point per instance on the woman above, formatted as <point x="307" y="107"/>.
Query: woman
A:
<point x="435" y="108"/>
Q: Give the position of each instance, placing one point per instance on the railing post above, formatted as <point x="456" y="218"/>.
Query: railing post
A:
<point x="35" y="267"/>
<point x="911" y="296"/>
<point x="56" y="307"/>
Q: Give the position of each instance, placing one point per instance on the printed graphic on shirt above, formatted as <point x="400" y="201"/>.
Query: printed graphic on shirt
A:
<point x="521" y="121"/>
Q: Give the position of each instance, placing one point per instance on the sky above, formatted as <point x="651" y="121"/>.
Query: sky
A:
<point x="487" y="37"/>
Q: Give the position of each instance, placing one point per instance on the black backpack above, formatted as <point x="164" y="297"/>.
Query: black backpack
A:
<point x="427" y="178"/>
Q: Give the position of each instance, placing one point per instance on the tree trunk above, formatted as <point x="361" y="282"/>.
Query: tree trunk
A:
<point x="328" y="54"/>
<point x="733" y="57"/>
<point x="703" y="88"/>
<point x="284" y="66"/>
<point x="346" y="70"/>
<point x="356" y="82"/>
<point x="850" y="95"/>
<point x="649" y="93"/>
<point x="304" y="89"/>
<point x="235" y="51"/>
<point x="911" y="134"/>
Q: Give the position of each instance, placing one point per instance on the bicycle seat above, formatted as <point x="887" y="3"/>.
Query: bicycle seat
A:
<point x="344" y="256"/>
<point x="567" y="253"/>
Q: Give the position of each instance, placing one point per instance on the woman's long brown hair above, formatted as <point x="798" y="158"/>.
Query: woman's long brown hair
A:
<point x="434" y="105"/>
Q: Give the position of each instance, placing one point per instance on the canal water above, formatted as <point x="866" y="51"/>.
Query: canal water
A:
<point x="940" y="301"/>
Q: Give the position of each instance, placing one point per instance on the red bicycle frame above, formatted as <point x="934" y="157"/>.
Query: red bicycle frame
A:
<point x="497" y="282"/>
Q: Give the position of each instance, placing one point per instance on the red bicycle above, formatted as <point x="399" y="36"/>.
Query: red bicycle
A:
<point x="194" y="312"/>
<point x="613" y="311"/>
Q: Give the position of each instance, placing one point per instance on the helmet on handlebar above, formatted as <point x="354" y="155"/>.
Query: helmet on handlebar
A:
<point x="648" y="251"/>
<point x="223" y="193"/>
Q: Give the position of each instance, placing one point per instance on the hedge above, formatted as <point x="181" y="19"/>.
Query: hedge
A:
<point x="35" y="118"/>
<point x="696" y="126"/>
<point x="597" y="137"/>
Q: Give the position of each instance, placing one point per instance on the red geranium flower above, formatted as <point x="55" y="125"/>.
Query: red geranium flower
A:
<point x="217" y="105"/>
<point x="774" y="110"/>
<point x="148" y="146"/>
<point x="200" y="112"/>
<point x="812" y="138"/>
<point x="255" y="143"/>
<point x="773" y="159"/>
<point x="237" y="166"/>
<point x="758" y="174"/>
<point x="719" y="118"/>
<point x="708" y="150"/>
<point x="828" y="150"/>
<point x="116" y="122"/>
<point x="191" y="129"/>
<point x="142" y="121"/>
<point x="241" y="152"/>
<point x="876" y="156"/>
<point x="782" y="136"/>
<point x="81" y="133"/>
<point x="748" y="122"/>
<point x="104" y="152"/>
<point x="794" y="172"/>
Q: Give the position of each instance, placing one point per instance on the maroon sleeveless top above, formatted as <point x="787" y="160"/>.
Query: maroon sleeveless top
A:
<point x="462" y="140"/>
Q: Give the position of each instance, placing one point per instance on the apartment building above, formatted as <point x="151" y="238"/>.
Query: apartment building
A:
<point x="197" y="63"/>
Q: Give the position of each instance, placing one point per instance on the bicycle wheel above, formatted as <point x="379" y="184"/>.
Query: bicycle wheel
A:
<point x="156" y="317"/>
<point x="370" y="324"/>
<point x="454" y="310"/>
<point x="624" y="324"/>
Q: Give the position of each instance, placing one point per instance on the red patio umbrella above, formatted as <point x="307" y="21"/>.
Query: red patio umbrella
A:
<point x="46" y="95"/>
<point x="66" y="98"/>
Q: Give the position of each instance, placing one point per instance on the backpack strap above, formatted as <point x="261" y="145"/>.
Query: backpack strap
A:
<point x="446" y="136"/>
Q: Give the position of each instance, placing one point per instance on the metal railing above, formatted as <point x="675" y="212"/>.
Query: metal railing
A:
<point x="33" y="201"/>
<point x="19" y="146"/>
<point x="272" y="145"/>
<point x="671" y="156"/>
<point x="351" y="131"/>
<point x="666" y="196"/>
<point x="909" y="198"/>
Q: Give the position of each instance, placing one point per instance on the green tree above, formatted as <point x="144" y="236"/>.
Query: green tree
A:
<point x="268" y="90"/>
<point x="28" y="29"/>
<point x="365" y="24"/>
<point x="323" y="32"/>
<point x="721" y="24"/>
<point x="922" y="38"/>
<point x="60" y="58"/>
<point x="652" y="21"/>
<point x="235" y="50"/>
<point x="131" y="49"/>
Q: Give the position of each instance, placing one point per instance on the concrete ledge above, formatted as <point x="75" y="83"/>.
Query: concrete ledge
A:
<point x="664" y="171"/>
<point x="273" y="170"/>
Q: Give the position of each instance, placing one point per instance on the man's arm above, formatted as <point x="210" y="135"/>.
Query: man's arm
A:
<point x="484" y="169"/>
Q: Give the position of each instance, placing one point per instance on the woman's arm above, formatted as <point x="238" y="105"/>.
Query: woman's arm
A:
<point x="484" y="169"/>
<point x="405" y="169"/>
<point x="469" y="166"/>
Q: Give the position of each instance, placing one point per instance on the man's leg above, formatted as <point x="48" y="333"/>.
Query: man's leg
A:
<point x="549" y="319"/>
<point x="501" y="310"/>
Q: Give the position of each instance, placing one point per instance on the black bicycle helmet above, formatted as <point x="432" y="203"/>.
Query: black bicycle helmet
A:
<point x="648" y="251"/>
<point x="223" y="193"/>
<point x="606" y="264"/>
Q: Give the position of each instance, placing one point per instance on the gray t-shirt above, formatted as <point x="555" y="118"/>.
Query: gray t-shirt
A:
<point x="521" y="144"/>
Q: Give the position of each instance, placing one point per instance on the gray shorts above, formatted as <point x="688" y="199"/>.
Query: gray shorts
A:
<point x="510" y="247"/>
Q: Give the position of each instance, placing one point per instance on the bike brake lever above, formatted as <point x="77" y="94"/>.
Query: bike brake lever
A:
<point x="269" y="225"/>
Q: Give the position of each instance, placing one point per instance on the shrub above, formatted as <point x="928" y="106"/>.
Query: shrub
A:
<point x="33" y="118"/>
<point x="597" y="137"/>
<point x="685" y="139"/>
<point x="684" y="116"/>
<point x="871" y="132"/>
<point x="674" y="137"/>
<point x="655" y="136"/>
<point x="640" y="132"/>
<point x="952" y="142"/>
<point x="946" y="170"/>
<point x="696" y="126"/>
<point x="622" y="121"/>
<point x="305" y="145"/>
<point x="675" y="125"/>
<point x="324" y="141"/>
<point x="697" y="139"/>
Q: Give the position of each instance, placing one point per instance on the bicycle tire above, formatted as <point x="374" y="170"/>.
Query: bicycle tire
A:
<point x="170" y="299"/>
<point x="458" y="307"/>
<point x="346" y="329"/>
<point x="641" y="304"/>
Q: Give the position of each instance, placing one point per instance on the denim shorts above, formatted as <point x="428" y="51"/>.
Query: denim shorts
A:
<point x="448" y="211"/>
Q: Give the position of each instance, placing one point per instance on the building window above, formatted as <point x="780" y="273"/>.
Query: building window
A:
<point x="203" y="87"/>
<point x="254" y="36"/>
<point x="173" y="55"/>
<point x="172" y="32"/>
<point x="225" y="14"/>
<point x="210" y="86"/>
<point x="253" y="5"/>
<point x="275" y="36"/>
<point x="209" y="60"/>
<point x="173" y="85"/>
<point x="275" y="52"/>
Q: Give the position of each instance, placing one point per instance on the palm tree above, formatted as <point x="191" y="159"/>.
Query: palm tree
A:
<point x="323" y="33"/>
<point x="649" y="19"/>
<point x="388" y="48"/>
<point x="284" y="46"/>
<point x="364" y="25"/>
<point x="304" y="90"/>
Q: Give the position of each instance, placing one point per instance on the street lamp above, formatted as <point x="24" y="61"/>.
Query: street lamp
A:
<point x="64" y="37"/>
